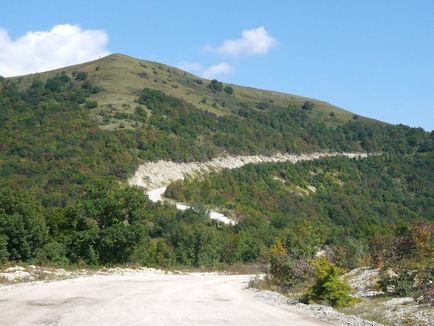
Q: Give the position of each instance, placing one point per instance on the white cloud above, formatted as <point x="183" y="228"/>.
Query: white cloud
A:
<point x="252" y="41"/>
<point x="38" y="51"/>
<point x="210" y="72"/>
<point x="218" y="69"/>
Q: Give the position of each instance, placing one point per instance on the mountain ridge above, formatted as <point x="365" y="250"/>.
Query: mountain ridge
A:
<point x="122" y="77"/>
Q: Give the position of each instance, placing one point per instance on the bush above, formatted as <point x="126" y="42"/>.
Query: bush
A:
<point x="401" y="284"/>
<point x="263" y="105"/>
<point x="91" y="104"/>
<point x="175" y="191"/>
<point x="120" y="115"/>
<point x="140" y="112"/>
<point x="308" y="106"/>
<point x="4" y="254"/>
<point x="216" y="85"/>
<point x="80" y="75"/>
<point x="427" y="294"/>
<point x="229" y="90"/>
<point x="328" y="287"/>
<point x="52" y="253"/>
<point x="57" y="83"/>
<point x="411" y="248"/>
<point x="287" y="271"/>
<point x="425" y="286"/>
<point x="90" y="87"/>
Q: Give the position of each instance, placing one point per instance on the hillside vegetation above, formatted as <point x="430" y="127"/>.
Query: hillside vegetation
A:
<point x="345" y="202"/>
<point x="122" y="78"/>
<point x="70" y="138"/>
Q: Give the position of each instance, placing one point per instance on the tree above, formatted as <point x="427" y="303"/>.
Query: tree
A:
<point x="216" y="85"/>
<point x="22" y="223"/>
<point x="328" y="287"/>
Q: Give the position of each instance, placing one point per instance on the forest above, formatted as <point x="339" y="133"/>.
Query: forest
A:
<point x="345" y="202"/>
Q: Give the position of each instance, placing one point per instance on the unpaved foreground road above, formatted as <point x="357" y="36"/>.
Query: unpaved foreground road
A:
<point x="194" y="299"/>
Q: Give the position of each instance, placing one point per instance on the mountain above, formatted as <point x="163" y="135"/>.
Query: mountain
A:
<point x="122" y="78"/>
<point x="70" y="139"/>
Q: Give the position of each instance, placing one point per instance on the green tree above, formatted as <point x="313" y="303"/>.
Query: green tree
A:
<point x="328" y="287"/>
<point x="216" y="85"/>
<point x="22" y="223"/>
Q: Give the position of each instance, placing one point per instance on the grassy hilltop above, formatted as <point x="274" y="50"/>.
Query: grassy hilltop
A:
<point x="122" y="78"/>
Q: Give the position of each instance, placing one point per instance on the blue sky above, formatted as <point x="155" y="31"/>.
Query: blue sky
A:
<point x="375" y="58"/>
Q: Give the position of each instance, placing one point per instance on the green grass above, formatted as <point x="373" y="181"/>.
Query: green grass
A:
<point x="123" y="77"/>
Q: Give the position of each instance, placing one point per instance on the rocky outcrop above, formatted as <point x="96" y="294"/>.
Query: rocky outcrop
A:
<point x="153" y="175"/>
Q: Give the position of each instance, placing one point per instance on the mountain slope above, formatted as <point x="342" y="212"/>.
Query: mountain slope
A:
<point x="70" y="139"/>
<point x="54" y="136"/>
<point x="122" y="78"/>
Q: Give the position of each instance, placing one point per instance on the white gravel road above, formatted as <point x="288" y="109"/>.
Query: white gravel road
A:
<point x="144" y="299"/>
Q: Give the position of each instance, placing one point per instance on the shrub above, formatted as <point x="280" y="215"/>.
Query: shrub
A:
<point x="427" y="294"/>
<point x="52" y="253"/>
<point x="120" y="115"/>
<point x="410" y="249"/>
<point x="90" y="87"/>
<point x="287" y="271"/>
<point x="229" y="90"/>
<point x="328" y="288"/>
<point x="91" y="104"/>
<point x="57" y="83"/>
<point x="425" y="286"/>
<point x="308" y="106"/>
<point x="401" y="284"/>
<point x="216" y="85"/>
<point x="81" y="75"/>
<point x="263" y="105"/>
<point x="175" y="191"/>
<point x="4" y="254"/>
<point x="143" y="75"/>
<point x="141" y="112"/>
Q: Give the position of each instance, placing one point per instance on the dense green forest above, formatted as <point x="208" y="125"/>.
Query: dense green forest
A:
<point x="349" y="201"/>
<point x="64" y="199"/>
<point x="115" y="224"/>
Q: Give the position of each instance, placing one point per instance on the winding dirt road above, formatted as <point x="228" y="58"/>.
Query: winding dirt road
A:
<point x="142" y="299"/>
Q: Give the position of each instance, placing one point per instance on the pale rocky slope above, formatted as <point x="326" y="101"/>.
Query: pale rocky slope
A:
<point x="154" y="175"/>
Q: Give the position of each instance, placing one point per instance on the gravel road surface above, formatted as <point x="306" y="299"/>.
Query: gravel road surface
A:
<point x="144" y="299"/>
